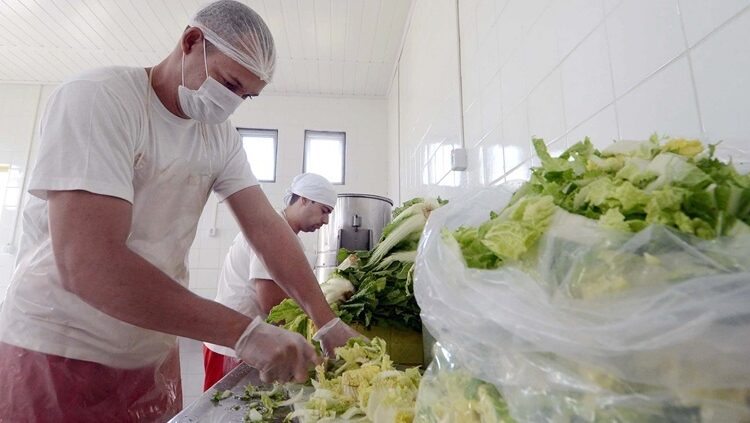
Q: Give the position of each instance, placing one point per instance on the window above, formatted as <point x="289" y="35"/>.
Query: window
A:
<point x="324" y="154"/>
<point x="260" y="146"/>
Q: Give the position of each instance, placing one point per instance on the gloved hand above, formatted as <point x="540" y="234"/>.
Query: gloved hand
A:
<point x="278" y="354"/>
<point x="335" y="334"/>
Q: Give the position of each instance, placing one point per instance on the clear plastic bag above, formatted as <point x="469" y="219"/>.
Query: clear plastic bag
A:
<point x="594" y="325"/>
<point x="449" y="393"/>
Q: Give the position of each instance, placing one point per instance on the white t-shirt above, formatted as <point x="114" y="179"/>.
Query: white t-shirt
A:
<point x="236" y="288"/>
<point x="98" y="135"/>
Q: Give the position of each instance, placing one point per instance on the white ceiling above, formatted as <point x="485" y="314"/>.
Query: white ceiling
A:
<point x="325" y="47"/>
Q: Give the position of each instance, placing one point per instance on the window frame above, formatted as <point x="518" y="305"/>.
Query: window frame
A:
<point x="261" y="133"/>
<point x="311" y="133"/>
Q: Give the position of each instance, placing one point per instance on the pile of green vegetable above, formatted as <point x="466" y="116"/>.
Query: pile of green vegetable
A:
<point x="613" y="286"/>
<point x="455" y="396"/>
<point x="373" y="288"/>
<point x="627" y="187"/>
<point x="363" y="385"/>
<point x="260" y="404"/>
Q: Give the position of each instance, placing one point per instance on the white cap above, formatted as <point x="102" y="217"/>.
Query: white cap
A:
<point x="313" y="187"/>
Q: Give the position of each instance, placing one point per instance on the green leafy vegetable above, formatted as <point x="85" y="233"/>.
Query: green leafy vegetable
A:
<point x="627" y="187"/>
<point x="607" y="235"/>
<point x="261" y="404"/>
<point x="221" y="395"/>
<point x="362" y="384"/>
<point x="373" y="288"/>
<point x="456" y="396"/>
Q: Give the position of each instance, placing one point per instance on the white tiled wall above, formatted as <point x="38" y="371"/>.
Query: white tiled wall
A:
<point x="19" y="107"/>
<point x="562" y="70"/>
<point x="427" y="97"/>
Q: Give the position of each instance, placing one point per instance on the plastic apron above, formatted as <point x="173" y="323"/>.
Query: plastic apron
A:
<point x="216" y="366"/>
<point x="38" y="387"/>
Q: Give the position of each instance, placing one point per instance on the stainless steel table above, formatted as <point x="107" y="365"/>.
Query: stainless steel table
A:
<point x="231" y="409"/>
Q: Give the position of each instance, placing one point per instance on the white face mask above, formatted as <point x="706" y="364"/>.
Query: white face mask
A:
<point x="211" y="102"/>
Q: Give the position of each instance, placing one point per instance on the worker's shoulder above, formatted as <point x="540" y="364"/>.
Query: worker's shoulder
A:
<point x="124" y="83"/>
<point x="110" y="75"/>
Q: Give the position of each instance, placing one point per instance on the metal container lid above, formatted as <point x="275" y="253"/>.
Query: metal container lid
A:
<point x="374" y="197"/>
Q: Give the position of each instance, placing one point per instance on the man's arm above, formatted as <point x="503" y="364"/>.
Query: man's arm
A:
<point x="88" y="240"/>
<point x="268" y="293"/>
<point x="278" y="249"/>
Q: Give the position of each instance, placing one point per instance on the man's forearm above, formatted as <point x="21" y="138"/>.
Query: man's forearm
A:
<point x="279" y="250"/>
<point x="129" y="288"/>
<point x="291" y="272"/>
<point x="89" y="234"/>
<point x="268" y="293"/>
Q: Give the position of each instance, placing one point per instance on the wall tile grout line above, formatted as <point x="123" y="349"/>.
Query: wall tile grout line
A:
<point x="720" y="26"/>
<point x="691" y="70"/>
<point x="612" y="76"/>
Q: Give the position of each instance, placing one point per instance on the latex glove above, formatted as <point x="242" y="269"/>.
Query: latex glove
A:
<point x="335" y="334"/>
<point x="278" y="354"/>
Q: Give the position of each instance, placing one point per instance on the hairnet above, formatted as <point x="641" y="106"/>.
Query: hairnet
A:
<point x="240" y="33"/>
<point x="313" y="187"/>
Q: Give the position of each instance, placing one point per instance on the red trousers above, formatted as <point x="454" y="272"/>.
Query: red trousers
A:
<point x="216" y="366"/>
<point x="37" y="387"/>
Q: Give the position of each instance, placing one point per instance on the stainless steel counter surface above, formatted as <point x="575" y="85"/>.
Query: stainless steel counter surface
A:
<point x="231" y="409"/>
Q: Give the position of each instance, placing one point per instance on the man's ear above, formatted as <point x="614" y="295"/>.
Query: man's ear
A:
<point x="191" y="38"/>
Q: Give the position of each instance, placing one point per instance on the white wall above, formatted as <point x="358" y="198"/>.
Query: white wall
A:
<point x="363" y="120"/>
<point x="19" y="114"/>
<point x="426" y="94"/>
<point x="562" y="70"/>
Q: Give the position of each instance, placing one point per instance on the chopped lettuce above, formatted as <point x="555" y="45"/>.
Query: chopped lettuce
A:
<point x="627" y="186"/>
<point x="506" y="236"/>
<point x="260" y="404"/>
<point x="455" y="396"/>
<point x="362" y="384"/>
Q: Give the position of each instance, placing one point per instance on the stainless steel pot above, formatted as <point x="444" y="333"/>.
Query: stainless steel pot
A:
<point x="356" y="223"/>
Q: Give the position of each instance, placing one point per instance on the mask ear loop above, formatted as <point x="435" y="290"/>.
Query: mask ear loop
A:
<point x="205" y="145"/>
<point x="205" y="62"/>
<point x="182" y="68"/>
<point x="204" y="136"/>
<point x="148" y="95"/>
<point x="203" y="125"/>
<point x="138" y="156"/>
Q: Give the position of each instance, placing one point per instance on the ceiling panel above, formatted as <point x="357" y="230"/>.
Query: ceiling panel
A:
<point x="369" y="30"/>
<point x="271" y="12"/>
<point x="337" y="78"/>
<point x="349" y="77"/>
<point x="324" y="47"/>
<point x="339" y="9"/>
<point x="307" y="27"/>
<point x="354" y="17"/>
<point x="323" y="20"/>
<point x="360" y="78"/>
<point x="290" y="28"/>
<point x="324" y="76"/>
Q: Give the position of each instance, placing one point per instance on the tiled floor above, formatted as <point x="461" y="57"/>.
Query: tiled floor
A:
<point x="191" y="364"/>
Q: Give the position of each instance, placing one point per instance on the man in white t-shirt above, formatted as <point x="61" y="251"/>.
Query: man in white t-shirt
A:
<point x="246" y="285"/>
<point x="127" y="159"/>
